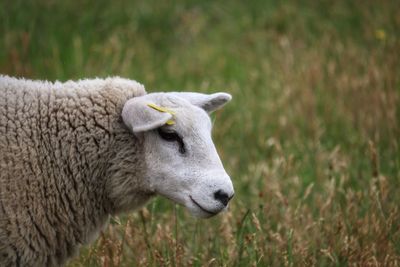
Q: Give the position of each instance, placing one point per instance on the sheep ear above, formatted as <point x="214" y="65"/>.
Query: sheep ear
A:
<point x="141" y="115"/>
<point x="207" y="102"/>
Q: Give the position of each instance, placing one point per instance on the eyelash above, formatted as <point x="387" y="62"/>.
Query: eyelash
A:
<point x="172" y="136"/>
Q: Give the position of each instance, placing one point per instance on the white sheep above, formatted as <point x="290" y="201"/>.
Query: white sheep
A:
<point x="74" y="153"/>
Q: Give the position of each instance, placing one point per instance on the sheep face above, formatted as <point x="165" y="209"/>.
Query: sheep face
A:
<point x="182" y="162"/>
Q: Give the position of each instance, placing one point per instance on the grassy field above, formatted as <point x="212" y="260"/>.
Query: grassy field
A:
<point x="311" y="138"/>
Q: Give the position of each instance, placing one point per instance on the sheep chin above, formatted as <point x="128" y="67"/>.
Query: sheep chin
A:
<point x="197" y="210"/>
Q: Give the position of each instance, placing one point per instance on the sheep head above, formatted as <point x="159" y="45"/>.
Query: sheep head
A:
<point x="182" y="163"/>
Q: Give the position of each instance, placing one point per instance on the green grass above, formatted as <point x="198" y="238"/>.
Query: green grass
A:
<point x="311" y="138"/>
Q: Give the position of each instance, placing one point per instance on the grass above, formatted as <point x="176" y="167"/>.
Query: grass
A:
<point x="311" y="138"/>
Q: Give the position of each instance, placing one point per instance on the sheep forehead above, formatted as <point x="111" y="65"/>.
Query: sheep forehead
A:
<point x="192" y="119"/>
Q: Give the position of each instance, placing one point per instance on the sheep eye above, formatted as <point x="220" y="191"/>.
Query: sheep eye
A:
<point x="172" y="136"/>
<point x="169" y="136"/>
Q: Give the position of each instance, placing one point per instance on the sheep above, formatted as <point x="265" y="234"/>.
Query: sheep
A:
<point x="73" y="154"/>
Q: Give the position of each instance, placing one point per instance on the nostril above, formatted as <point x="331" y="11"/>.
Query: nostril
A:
<point x="222" y="197"/>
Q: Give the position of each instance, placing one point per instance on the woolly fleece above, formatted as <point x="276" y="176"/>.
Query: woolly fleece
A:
<point x="64" y="153"/>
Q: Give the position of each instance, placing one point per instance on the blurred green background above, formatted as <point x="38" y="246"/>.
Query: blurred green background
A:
<point x="311" y="138"/>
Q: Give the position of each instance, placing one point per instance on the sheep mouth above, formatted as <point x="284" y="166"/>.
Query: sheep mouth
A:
<point x="203" y="209"/>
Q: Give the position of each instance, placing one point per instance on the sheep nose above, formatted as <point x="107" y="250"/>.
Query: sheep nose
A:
<point x="222" y="197"/>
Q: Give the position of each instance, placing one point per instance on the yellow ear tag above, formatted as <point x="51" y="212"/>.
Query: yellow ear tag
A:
<point x="165" y="110"/>
<point x="161" y="109"/>
<point x="170" y="122"/>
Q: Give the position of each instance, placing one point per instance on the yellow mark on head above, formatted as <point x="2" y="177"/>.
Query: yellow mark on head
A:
<point x="161" y="109"/>
<point x="165" y="110"/>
